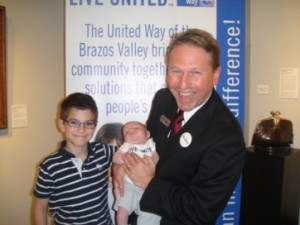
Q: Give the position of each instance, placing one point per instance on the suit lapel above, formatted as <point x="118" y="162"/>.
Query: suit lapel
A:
<point x="167" y="117"/>
<point x="172" y="146"/>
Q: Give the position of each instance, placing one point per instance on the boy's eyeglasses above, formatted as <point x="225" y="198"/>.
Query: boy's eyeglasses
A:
<point x="89" y="124"/>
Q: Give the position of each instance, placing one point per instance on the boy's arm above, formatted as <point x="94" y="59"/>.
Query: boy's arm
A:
<point x="40" y="211"/>
<point x="118" y="157"/>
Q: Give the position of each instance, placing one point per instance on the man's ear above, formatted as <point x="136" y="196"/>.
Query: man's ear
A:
<point x="217" y="73"/>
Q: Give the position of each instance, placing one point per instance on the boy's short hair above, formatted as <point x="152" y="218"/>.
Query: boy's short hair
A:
<point x="79" y="101"/>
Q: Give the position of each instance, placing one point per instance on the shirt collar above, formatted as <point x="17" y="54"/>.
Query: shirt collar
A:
<point x="68" y="154"/>
<point x="188" y="114"/>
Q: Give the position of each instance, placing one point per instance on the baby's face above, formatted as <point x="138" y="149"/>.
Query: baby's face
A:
<point x="135" y="133"/>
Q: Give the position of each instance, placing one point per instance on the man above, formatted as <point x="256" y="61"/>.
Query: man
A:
<point x="199" y="166"/>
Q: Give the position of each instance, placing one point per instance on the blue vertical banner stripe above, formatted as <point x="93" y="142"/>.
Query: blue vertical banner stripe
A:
<point x="231" y="36"/>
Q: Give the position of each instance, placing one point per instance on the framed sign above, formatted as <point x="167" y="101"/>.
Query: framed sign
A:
<point x="3" y="106"/>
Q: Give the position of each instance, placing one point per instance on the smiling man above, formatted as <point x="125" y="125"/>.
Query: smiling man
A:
<point x="200" y="165"/>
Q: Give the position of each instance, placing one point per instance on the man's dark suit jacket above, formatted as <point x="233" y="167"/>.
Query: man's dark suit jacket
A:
<point x="193" y="184"/>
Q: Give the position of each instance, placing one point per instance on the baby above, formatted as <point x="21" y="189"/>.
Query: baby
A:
<point x="137" y="140"/>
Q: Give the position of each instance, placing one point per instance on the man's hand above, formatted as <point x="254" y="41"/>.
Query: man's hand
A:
<point x="139" y="170"/>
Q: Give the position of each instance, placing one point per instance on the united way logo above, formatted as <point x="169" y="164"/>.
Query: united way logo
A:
<point x="207" y="3"/>
<point x="196" y="3"/>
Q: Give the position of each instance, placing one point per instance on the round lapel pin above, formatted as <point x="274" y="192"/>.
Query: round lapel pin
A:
<point x="185" y="139"/>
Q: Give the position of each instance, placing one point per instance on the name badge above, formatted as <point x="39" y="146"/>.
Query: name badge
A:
<point x="165" y="121"/>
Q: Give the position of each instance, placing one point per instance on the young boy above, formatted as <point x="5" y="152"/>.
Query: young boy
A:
<point x="136" y="140"/>
<point x="73" y="181"/>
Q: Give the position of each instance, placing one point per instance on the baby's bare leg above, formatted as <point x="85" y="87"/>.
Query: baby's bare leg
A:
<point x="122" y="216"/>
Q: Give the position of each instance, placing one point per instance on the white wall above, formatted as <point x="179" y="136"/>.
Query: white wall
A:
<point x="35" y="73"/>
<point x="35" y="77"/>
<point x="274" y="43"/>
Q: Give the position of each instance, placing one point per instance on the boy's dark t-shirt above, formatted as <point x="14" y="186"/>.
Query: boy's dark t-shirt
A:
<point x="77" y="190"/>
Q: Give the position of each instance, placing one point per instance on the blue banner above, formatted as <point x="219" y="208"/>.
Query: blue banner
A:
<point x="231" y="87"/>
<point x="231" y="36"/>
